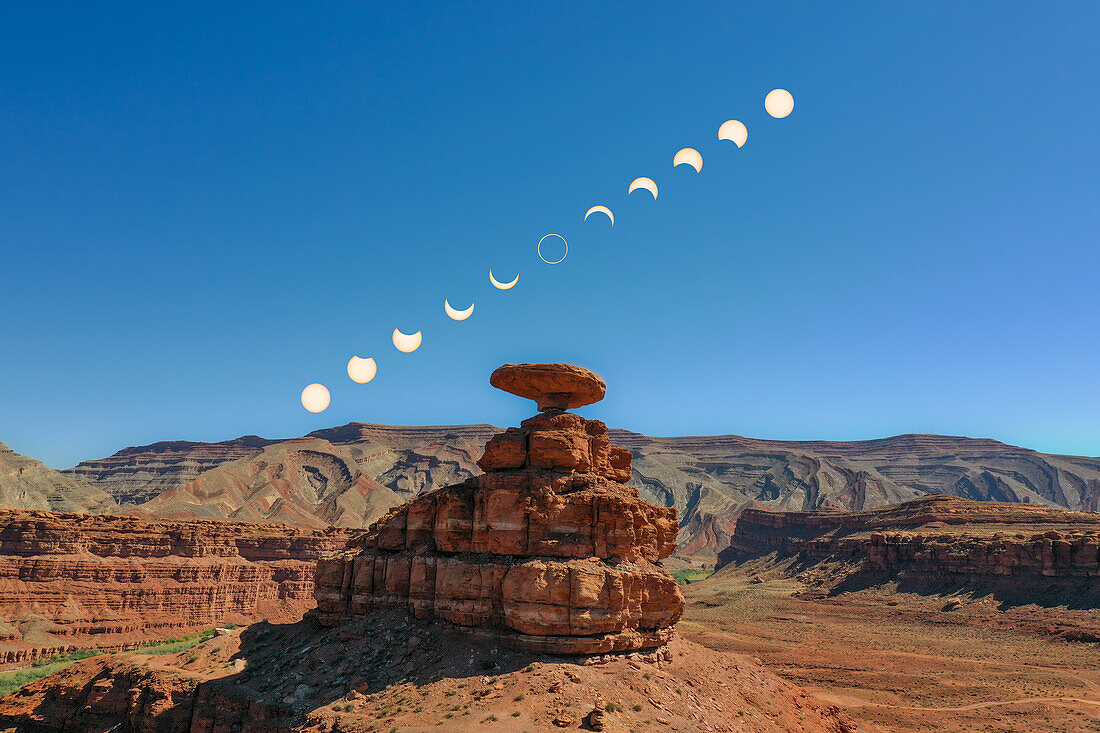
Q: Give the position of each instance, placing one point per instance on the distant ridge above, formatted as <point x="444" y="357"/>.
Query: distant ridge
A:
<point x="29" y="484"/>
<point x="709" y="479"/>
<point x="137" y="474"/>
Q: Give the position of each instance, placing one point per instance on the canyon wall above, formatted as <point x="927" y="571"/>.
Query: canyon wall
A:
<point x="934" y="538"/>
<point x="79" y="580"/>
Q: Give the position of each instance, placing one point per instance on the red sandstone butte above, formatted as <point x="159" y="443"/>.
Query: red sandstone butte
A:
<point x="548" y="550"/>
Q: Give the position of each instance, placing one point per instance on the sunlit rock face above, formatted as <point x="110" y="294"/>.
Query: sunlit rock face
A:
<point x="548" y="550"/>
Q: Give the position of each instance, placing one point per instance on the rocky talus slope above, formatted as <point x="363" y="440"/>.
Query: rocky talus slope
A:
<point x="707" y="479"/>
<point x="1019" y="551"/>
<point x="78" y="580"/>
<point x="548" y="550"/>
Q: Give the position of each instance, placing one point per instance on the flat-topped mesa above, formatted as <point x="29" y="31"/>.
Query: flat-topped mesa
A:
<point x="548" y="550"/>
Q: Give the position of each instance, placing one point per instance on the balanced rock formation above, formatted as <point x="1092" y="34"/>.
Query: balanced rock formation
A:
<point x="548" y="550"/>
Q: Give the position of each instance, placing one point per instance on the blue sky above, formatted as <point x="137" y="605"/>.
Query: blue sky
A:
<point x="205" y="207"/>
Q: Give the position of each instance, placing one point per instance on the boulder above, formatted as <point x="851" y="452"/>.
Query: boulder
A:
<point x="552" y="386"/>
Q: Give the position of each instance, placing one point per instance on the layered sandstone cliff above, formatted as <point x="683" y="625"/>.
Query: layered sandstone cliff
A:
<point x="934" y="538"/>
<point x="77" y="580"/>
<point x="548" y="549"/>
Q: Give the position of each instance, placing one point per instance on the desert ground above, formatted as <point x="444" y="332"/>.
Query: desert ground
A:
<point x="387" y="674"/>
<point x="901" y="661"/>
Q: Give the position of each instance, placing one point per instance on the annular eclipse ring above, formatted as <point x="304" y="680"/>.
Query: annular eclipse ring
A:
<point x="562" y="257"/>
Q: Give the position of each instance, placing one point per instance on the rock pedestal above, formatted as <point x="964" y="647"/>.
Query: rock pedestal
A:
<point x="548" y="550"/>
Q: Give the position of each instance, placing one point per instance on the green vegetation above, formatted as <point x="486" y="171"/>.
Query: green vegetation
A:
<point x="72" y="656"/>
<point x="175" y="645"/>
<point x="16" y="678"/>
<point x="13" y="680"/>
<point x="688" y="575"/>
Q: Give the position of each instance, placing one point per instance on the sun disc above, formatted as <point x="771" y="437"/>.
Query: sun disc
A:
<point x="779" y="103"/>
<point x="688" y="156"/>
<point x="361" y="371"/>
<point x="457" y="315"/>
<point x="315" y="397"/>
<point x="734" y="131"/>
<point x="406" y="342"/>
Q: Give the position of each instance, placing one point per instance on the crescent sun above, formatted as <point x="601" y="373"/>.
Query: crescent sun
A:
<point x="734" y="131"/>
<point x="643" y="182"/>
<point x="600" y="210"/>
<point x="361" y="371"/>
<point x="457" y="315"/>
<point x="405" y="342"/>
<point x="499" y="285"/>
<point x="689" y="156"/>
